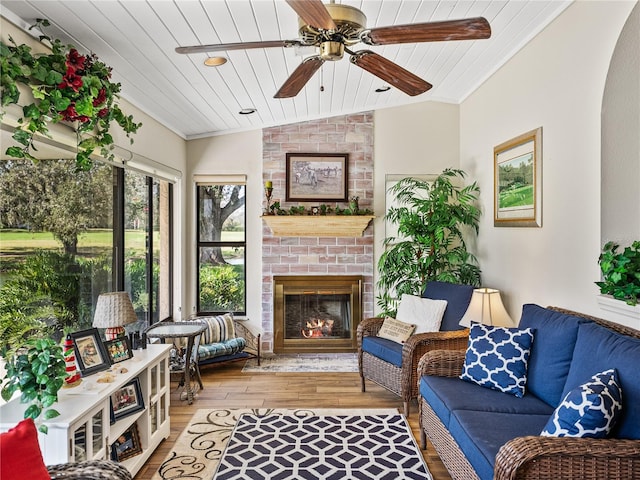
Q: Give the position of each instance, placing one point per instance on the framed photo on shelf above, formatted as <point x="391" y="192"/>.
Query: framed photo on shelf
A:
<point x="91" y="355"/>
<point x="518" y="181"/>
<point x="118" y="350"/>
<point x="126" y="400"/>
<point x="317" y="177"/>
<point x="126" y="445"/>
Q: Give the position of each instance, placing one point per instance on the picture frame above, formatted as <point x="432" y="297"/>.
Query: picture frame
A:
<point x="127" y="400"/>
<point x="127" y="445"/>
<point x="91" y="355"/>
<point x="517" y="182"/>
<point x="313" y="177"/>
<point x="118" y="350"/>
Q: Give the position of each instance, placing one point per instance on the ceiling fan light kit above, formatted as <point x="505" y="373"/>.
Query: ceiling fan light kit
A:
<point x="215" y="61"/>
<point x="333" y="28"/>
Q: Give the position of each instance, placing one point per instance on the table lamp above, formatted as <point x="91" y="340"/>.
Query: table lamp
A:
<point x="486" y="307"/>
<point x="113" y="311"/>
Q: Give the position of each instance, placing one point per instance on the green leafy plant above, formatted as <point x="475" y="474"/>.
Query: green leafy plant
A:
<point x="38" y="371"/>
<point x="221" y="288"/>
<point x="621" y="272"/>
<point x="432" y="219"/>
<point x="66" y="86"/>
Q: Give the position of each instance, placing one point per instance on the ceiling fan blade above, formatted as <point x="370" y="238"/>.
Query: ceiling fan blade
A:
<point x="390" y="72"/>
<point x="467" y="29"/>
<point x="217" y="47"/>
<point x="299" y="78"/>
<point x="314" y="13"/>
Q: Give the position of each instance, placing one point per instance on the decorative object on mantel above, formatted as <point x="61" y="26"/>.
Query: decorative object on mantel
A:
<point x="318" y="177"/>
<point x="318" y="225"/>
<point x="66" y="87"/>
<point x="268" y="191"/>
<point x="517" y="195"/>
<point x="621" y="272"/>
<point x="433" y="220"/>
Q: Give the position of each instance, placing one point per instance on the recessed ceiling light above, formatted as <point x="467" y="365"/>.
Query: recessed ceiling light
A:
<point x="247" y="111"/>
<point x="215" y="61"/>
<point x="386" y="88"/>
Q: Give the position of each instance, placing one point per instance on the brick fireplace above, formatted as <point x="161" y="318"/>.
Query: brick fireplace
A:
<point x="327" y="255"/>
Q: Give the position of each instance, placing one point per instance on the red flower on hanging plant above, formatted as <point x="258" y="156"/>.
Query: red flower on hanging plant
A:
<point x="75" y="60"/>
<point x="71" y="80"/>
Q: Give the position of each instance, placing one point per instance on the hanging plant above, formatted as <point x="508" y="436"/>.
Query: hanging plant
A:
<point x="66" y="86"/>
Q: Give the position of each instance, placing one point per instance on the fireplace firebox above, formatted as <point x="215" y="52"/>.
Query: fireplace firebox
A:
<point x="316" y="313"/>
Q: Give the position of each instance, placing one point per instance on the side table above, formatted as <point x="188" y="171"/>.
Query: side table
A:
<point x="188" y="330"/>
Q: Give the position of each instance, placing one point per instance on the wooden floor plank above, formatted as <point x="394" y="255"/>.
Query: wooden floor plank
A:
<point x="227" y="387"/>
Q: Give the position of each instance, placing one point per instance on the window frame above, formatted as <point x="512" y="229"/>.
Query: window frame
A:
<point x="210" y="181"/>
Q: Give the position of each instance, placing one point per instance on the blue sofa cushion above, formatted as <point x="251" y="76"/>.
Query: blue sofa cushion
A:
<point x="384" y="349"/>
<point x="230" y="347"/>
<point x="589" y="410"/>
<point x="497" y="358"/>
<point x="445" y="394"/>
<point x="457" y="297"/>
<point x="598" y="349"/>
<point x="551" y="353"/>
<point x="480" y="435"/>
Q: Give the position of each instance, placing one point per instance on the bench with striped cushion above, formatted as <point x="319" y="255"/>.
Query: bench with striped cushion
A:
<point x="219" y="339"/>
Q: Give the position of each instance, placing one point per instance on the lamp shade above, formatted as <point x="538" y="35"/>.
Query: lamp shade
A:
<point x="113" y="311"/>
<point x="486" y="307"/>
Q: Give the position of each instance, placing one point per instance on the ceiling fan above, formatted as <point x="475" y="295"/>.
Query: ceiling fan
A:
<point x="334" y="28"/>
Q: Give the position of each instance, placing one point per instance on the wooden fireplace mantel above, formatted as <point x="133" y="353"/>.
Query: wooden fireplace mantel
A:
<point x="318" y="225"/>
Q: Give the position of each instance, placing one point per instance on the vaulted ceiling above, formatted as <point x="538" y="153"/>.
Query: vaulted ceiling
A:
<point x="138" y="39"/>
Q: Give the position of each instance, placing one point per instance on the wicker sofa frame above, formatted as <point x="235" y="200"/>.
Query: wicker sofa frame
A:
<point x="530" y="457"/>
<point x="403" y="381"/>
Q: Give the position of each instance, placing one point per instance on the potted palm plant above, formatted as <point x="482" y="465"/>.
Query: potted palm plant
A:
<point x="433" y="220"/>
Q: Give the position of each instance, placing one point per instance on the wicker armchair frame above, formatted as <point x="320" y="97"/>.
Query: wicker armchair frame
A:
<point x="403" y="381"/>
<point x="531" y="457"/>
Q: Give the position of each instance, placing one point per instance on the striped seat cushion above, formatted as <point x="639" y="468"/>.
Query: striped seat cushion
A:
<point x="219" y="329"/>
<point x="230" y="347"/>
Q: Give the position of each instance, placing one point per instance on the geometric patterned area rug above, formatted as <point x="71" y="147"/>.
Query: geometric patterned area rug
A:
<point x="197" y="451"/>
<point x="331" y="447"/>
<point x="305" y="362"/>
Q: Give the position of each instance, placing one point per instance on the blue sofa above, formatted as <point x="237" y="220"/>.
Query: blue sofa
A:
<point x="484" y="434"/>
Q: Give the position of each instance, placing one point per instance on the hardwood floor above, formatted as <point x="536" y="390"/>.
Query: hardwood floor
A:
<point x="227" y="386"/>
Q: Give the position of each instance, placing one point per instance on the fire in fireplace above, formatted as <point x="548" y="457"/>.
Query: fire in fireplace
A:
<point x="316" y="313"/>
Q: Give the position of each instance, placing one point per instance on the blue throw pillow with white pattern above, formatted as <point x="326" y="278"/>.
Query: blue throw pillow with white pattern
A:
<point x="497" y="358"/>
<point x="589" y="410"/>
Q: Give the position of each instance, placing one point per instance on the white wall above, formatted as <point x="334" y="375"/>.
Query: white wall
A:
<point x="417" y="139"/>
<point x="239" y="153"/>
<point x="557" y="82"/>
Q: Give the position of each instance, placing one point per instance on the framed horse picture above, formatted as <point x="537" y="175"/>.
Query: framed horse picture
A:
<point x="317" y="177"/>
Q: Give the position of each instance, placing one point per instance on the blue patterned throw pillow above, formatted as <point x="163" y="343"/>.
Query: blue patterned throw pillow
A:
<point x="589" y="410"/>
<point x="497" y="358"/>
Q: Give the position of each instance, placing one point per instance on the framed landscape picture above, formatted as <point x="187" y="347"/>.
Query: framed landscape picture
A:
<point x="518" y="181"/>
<point x="317" y="177"/>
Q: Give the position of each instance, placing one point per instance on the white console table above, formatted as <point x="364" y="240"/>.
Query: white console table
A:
<point x="83" y="431"/>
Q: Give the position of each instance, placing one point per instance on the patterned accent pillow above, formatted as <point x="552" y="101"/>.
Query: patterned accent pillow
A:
<point x="497" y="358"/>
<point x="219" y="329"/>
<point x="589" y="410"/>
<point x="396" y="330"/>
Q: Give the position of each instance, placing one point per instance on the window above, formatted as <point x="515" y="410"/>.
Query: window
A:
<point x="221" y="246"/>
<point x="68" y="236"/>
